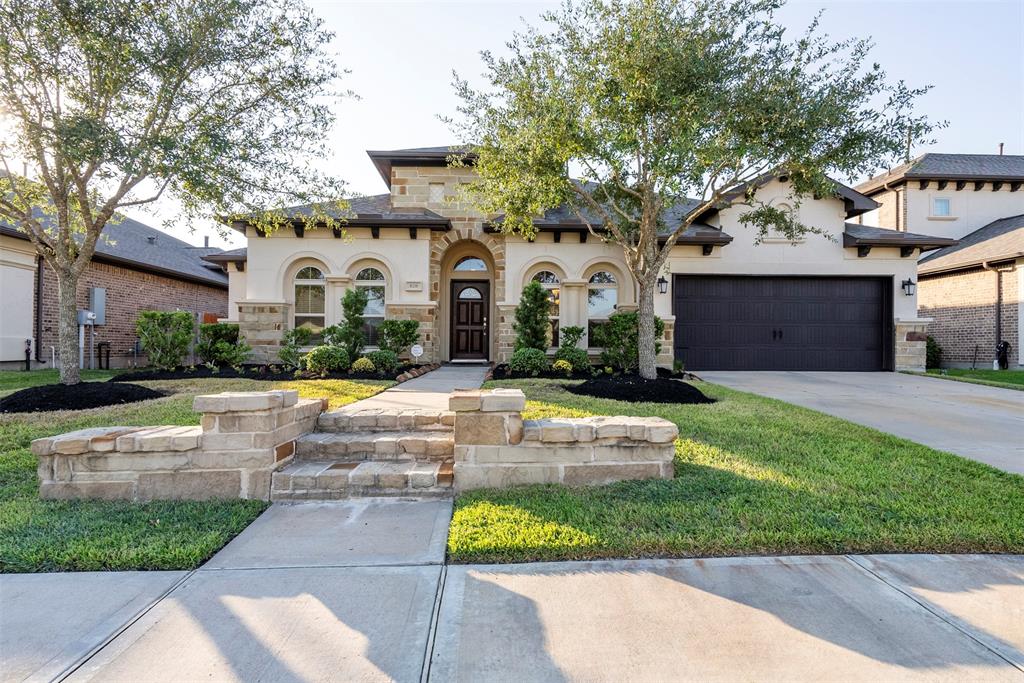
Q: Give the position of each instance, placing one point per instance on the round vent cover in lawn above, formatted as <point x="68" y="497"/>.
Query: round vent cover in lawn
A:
<point x="637" y="389"/>
<point x="74" y="397"/>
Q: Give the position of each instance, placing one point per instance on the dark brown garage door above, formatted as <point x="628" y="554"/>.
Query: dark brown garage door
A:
<point x="782" y="323"/>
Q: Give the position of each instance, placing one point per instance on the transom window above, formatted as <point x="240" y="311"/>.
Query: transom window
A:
<point x="471" y="264"/>
<point x="371" y="281"/>
<point x="941" y="207"/>
<point x="550" y="282"/>
<point x="470" y="293"/>
<point x="602" y="298"/>
<point x="310" y="299"/>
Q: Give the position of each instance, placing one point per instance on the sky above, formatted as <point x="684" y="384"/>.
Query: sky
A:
<point x="401" y="56"/>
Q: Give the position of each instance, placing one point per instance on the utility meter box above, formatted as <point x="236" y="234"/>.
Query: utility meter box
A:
<point x="98" y="304"/>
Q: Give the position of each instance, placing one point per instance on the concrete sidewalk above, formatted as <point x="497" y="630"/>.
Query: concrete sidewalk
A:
<point x="358" y="590"/>
<point x="975" y="421"/>
<point x="429" y="391"/>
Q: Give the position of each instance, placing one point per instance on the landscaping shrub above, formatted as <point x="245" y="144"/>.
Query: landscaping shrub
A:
<point x="569" y="352"/>
<point x="165" y="336"/>
<point x="384" y="360"/>
<point x="291" y="344"/>
<point x="363" y="364"/>
<point x="219" y="345"/>
<point x="325" y="359"/>
<point x="529" y="360"/>
<point x="398" y="335"/>
<point x="562" y="366"/>
<point x="933" y="353"/>
<point x="532" y="322"/>
<point x="349" y="334"/>
<point x="619" y="338"/>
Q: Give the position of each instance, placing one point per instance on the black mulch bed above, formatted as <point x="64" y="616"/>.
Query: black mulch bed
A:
<point x="503" y="371"/>
<point x="637" y="389"/>
<point x="74" y="397"/>
<point x="260" y="372"/>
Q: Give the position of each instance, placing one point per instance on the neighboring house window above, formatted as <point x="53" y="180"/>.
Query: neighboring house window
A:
<point x="550" y="282"/>
<point x="602" y="297"/>
<point x="941" y="208"/>
<point x="371" y="281"/>
<point x="436" y="193"/>
<point x="471" y="264"/>
<point x="310" y="297"/>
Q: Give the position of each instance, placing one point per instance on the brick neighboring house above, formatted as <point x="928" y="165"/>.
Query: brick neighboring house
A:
<point x="139" y="267"/>
<point x="973" y="290"/>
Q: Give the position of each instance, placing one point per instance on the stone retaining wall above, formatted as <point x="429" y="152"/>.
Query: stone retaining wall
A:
<point x="495" y="447"/>
<point x="242" y="439"/>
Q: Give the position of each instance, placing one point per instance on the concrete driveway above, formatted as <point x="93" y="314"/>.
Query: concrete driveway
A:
<point x="978" y="422"/>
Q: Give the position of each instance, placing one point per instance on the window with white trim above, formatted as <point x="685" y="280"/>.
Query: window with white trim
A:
<point x="371" y="281"/>
<point x="602" y="298"/>
<point x="941" y="207"/>
<point x="549" y="281"/>
<point x="310" y="299"/>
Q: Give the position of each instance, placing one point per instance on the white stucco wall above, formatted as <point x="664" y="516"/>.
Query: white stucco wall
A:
<point x="969" y="209"/>
<point x="17" y="282"/>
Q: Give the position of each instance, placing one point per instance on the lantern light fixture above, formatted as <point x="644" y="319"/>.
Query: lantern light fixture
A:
<point x="662" y="284"/>
<point x="909" y="287"/>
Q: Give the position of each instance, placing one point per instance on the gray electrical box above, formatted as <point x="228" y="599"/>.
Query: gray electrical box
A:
<point x="98" y="304"/>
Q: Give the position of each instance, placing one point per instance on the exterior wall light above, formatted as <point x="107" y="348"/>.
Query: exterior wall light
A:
<point x="909" y="286"/>
<point x="662" y="284"/>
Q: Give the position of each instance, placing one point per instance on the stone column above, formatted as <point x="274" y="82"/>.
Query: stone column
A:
<point x="261" y="325"/>
<point x="912" y="344"/>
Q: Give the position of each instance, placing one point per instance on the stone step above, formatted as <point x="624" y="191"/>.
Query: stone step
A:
<point x="331" y="480"/>
<point x="421" y="445"/>
<point x="384" y="420"/>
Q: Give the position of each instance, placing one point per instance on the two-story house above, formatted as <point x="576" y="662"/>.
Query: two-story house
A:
<point x="973" y="291"/>
<point x="840" y="301"/>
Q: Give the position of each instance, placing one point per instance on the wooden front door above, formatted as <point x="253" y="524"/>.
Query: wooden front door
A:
<point x="470" y="307"/>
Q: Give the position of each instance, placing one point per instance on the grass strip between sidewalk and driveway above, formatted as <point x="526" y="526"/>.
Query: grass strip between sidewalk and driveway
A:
<point x="90" y="535"/>
<point x="1004" y="379"/>
<point x="753" y="476"/>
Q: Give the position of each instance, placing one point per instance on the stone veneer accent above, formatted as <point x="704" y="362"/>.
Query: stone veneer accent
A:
<point x="911" y="344"/>
<point x="243" y="438"/>
<point x="495" y="447"/>
<point x="261" y="326"/>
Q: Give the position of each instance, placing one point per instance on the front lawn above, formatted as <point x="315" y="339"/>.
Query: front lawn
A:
<point x="1007" y="379"/>
<point x="753" y="476"/>
<point x="40" y="535"/>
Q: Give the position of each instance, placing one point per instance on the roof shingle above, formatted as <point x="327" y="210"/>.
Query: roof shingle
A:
<point x="999" y="240"/>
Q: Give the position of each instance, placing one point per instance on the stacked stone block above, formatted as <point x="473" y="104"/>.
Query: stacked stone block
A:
<point x="911" y="344"/>
<point x="262" y="327"/>
<point x="496" y="448"/>
<point x="242" y="439"/>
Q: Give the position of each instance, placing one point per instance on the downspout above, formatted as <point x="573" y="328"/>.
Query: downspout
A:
<point x="999" y="295"/>
<point x="39" y="309"/>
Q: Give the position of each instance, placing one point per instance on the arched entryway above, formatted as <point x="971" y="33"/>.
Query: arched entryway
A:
<point x="467" y="302"/>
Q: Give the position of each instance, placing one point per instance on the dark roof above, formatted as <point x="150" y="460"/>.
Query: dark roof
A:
<point x="135" y="245"/>
<point x="855" y="235"/>
<point x="371" y="211"/>
<point x="230" y="256"/>
<point x="854" y="202"/>
<point x="415" y="156"/>
<point x="1006" y="167"/>
<point x="998" y="241"/>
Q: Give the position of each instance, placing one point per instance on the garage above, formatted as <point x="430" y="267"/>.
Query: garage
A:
<point x="783" y="323"/>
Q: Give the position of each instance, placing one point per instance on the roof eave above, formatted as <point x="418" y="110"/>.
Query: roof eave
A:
<point x="967" y="265"/>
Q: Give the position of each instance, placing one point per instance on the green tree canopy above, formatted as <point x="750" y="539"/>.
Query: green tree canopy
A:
<point x="221" y="105"/>
<point x="625" y="109"/>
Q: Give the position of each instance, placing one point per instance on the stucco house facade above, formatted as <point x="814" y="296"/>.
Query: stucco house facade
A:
<point x="973" y="291"/>
<point x="832" y="302"/>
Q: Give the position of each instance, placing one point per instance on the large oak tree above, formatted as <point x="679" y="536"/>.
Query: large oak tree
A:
<point x="220" y="105"/>
<point x="625" y="109"/>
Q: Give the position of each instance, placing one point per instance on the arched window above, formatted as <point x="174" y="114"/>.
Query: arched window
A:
<point x="310" y="299"/>
<point x="470" y="293"/>
<point x="371" y="281"/>
<point x="550" y="282"/>
<point x="602" y="298"/>
<point x="471" y="264"/>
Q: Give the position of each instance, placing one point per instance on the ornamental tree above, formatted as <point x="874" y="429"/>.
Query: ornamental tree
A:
<point x="623" y="110"/>
<point x="218" y="105"/>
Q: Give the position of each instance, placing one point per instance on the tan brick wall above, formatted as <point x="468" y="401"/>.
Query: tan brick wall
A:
<point x="128" y="292"/>
<point x="963" y="305"/>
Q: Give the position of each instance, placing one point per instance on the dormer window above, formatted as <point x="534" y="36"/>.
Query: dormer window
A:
<point x="941" y="207"/>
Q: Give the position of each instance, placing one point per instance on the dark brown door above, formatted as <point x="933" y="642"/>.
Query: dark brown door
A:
<point x="783" y="323"/>
<point x="470" y="304"/>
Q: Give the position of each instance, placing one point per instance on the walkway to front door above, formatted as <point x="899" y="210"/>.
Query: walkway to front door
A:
<point x="429" y="392"/>
<point x="470" y="305"/>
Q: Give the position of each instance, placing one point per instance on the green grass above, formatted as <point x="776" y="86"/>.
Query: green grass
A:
<point x="38" y="535"/>
<point x="1006" y="379"/>
<point x="13" y="380"/>
<point x="753" y="476"/>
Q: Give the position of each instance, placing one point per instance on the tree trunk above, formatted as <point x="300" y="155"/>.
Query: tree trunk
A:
<point x="67" y="328"/>
<point x="647" y="368"/>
